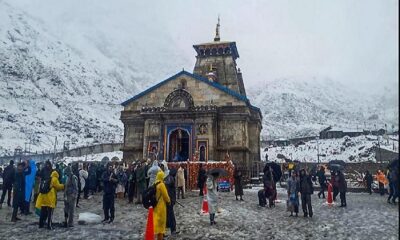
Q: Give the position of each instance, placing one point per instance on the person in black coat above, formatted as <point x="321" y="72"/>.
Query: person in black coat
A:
<point x="335" y="184"/>
<point x="19" y="190"/>
<point x="237" y="175"/>
<point x="306" y="189"/>
<point x="342" y="189"/>
<point x="322" y="181"/>
<point x="201" y="179"/>
<point x="8" y="180"/>
<point x="92" y="178"/>
<point x="171" y="188"/>
<point x="110" y="183"/>
<point x="368" y="181"/>
<point x="131" y="182"/>
<point x="269" y="186"/>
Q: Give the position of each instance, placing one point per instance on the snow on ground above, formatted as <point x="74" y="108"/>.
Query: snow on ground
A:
<point x="357" y="149"/>
<point x="93" y="157"/>
<point x="366" y="217"/>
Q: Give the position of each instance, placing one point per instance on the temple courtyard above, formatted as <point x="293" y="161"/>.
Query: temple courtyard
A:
<point x="366" y="217"/>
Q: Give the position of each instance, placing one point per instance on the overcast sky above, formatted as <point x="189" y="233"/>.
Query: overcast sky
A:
<point x="354" y="42"/>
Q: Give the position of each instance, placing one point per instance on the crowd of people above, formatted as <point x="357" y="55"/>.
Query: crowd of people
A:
<point x="114" y="181"/>
<point x="39" y="183"/>
<point x="390" y="180"/>
<point x="300" y="186"/>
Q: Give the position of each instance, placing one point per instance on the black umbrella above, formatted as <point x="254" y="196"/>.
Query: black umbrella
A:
<point x="276" y="169"/>
<point x="339" y="162"/>
<point x="335" y="167"/>
<point x="218" y="172"/>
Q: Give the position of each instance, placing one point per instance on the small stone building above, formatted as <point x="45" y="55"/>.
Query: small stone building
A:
<point x="199" y="116"/>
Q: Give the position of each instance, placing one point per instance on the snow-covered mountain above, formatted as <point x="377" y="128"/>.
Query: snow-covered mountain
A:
<point x="70" y="87"/>
<point x="294" y="107"/>
<point x="50" y="88"/>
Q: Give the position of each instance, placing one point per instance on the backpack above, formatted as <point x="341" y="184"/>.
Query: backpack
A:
<point x="149" y="196"/>
<point x="45" y="185"/>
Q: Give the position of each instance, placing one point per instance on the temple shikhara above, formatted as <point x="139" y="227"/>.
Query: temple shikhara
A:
<point x="204" y="116"/>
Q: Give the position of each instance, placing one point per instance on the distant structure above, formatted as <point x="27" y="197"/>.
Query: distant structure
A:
<point x="199" y="116"/>
<point x="331" y="132"/>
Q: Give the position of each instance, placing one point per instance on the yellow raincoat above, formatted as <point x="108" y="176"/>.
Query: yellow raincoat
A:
<point x="160" y="211"/>
<point x="49" y="199"/>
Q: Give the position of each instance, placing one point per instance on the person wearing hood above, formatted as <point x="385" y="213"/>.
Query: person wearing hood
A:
<point x="164" y="168"/>
<point x="160" y="210"/>
<point x="171" y="187"/>
<point x="70" y="194"/>
<point x="212" y="197"/>
<point x="152" y="173"/>
<point x="46" y="202"/>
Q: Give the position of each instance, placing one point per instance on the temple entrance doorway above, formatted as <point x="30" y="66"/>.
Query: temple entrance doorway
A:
<point x="178" y="145"/>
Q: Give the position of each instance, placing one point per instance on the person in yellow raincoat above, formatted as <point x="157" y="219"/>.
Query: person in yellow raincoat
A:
<point x="160" y="210"/>
<point x="46" y="202"/>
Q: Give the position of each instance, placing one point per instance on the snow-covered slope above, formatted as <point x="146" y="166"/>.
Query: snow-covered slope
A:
<point x="303" y="106"/>
<point x="357" y="149"/>
<point x="50" y="88"/>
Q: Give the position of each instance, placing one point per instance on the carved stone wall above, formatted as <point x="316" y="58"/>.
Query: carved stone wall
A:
<point x="202" y="94"/>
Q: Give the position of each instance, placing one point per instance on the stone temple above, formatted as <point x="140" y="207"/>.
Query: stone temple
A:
<point x="199" y="116"/>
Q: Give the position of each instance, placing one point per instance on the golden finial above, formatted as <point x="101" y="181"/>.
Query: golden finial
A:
<point x="217" y="38"/>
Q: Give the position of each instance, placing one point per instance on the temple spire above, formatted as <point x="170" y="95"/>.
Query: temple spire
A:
<point x="217" y="38"/>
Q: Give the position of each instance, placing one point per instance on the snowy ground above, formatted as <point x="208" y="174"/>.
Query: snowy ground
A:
<point x="366" y="217"/>
<point x="357" y="149"/>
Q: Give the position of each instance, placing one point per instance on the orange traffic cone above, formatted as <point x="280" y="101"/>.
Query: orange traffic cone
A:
<point x="204" y="207"/>
<point x="149" y="235"/>
<point x="329" y="199"/>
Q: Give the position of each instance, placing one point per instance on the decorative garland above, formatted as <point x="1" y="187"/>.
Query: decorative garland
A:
<point x="192" y="169"/>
